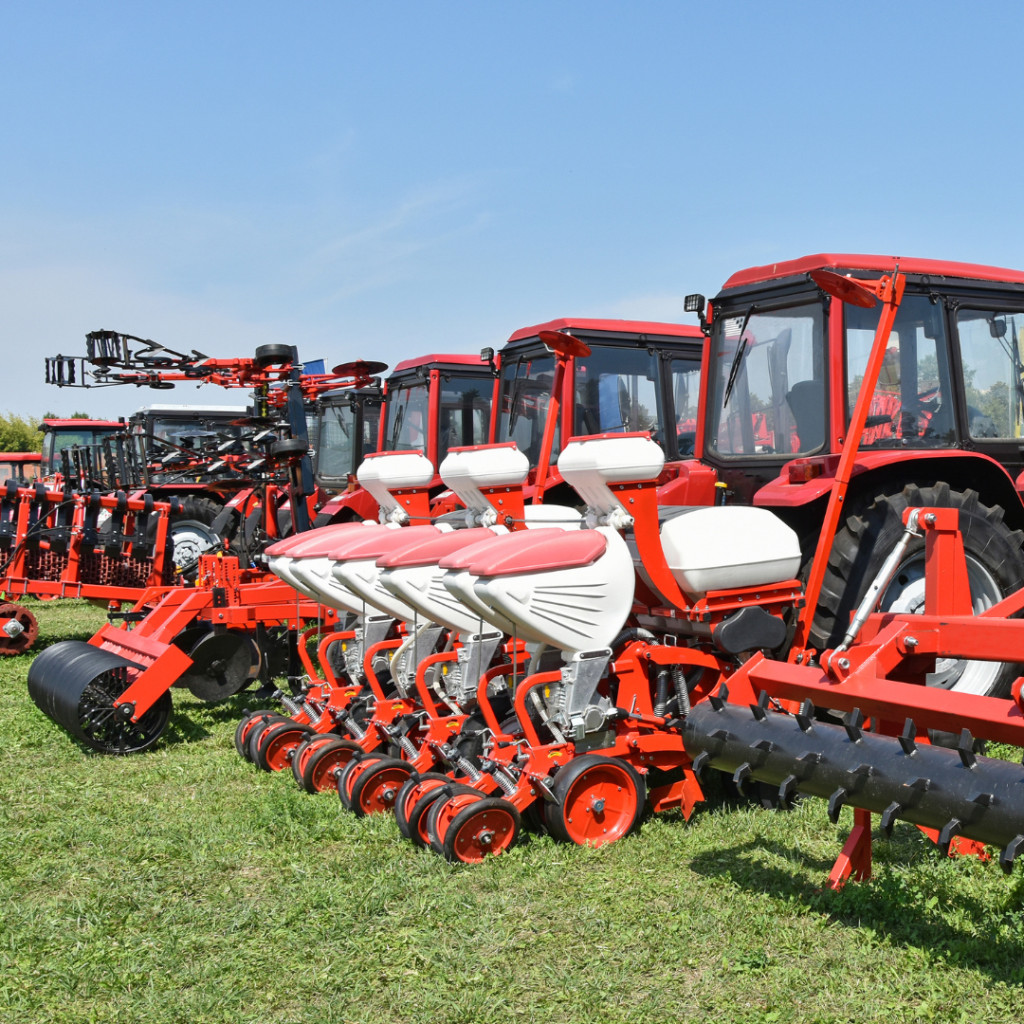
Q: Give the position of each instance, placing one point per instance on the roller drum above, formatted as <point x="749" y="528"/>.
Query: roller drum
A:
<point x="951" y="790"/>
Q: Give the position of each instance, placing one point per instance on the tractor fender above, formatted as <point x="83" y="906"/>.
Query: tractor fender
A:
<point x="797" y="486"/>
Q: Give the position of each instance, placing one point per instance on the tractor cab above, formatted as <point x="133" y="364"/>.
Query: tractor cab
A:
<point x="429" y="404"/>
<point x="181" y="448"/>
<point x="83" y="440"/>
<point x="638" y="376"/>
<point x="786" y="361"/>
<point x="22" y="467"/>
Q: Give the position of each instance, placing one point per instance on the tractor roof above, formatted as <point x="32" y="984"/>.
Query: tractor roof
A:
<point x="444" y="360"/>
<point x="874" y="264"/>
<point x="609" y="327"/>
<point x="112" y="424"/>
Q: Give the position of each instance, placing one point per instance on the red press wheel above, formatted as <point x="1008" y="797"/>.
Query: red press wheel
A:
<point x="598" y="800"/>
<point x="278" y="743"/>
<point x="304" y="751"/>
<point x="243" y="732"/>
<point x="482" y="828"/>
<point x="319" y="772"/>
<point x="443" y="810"/>
<point x="412" y="789"/>
<point x="376" y="788"/>
<point x="351" y="772"/>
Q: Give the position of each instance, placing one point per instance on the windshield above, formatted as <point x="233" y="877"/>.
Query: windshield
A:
<point x="343" y="438"/>
<point x="617" y="392"/>
<point x="55" y="441"/>
<point x="991" y="347"/>
<point x="523" y="403"/>
<point x="23" y="472"/>
<point x="767" y="378"/>
<point x="910" y="405"/>
<point x="175" y="449"/>
<point x="408" y="414"/>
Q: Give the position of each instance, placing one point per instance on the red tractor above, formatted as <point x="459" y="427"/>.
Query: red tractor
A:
<point x="784" y="365"/>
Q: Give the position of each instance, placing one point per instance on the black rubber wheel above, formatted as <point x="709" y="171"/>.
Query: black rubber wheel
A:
<point x="109" y="733"/>
<point x="273" y="355"/>
<point x="995" y="565"/>
<point x="245" y="726"/>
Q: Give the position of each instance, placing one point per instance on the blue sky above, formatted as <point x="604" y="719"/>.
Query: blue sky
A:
<point x="390" y="179"/>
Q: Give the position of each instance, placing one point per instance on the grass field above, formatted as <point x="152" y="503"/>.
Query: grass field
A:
<point x="184" y="885"/>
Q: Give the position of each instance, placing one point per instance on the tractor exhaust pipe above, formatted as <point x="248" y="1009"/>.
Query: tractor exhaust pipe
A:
<point x="951" y="790"/>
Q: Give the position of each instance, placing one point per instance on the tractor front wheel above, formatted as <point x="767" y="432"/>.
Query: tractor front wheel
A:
<point x="995" y="568"/>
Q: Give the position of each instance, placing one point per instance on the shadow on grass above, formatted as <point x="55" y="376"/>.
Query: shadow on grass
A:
<point x="904" y="909"/>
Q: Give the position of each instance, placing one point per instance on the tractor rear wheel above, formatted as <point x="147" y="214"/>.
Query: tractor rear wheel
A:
<point x="995" y="568"/>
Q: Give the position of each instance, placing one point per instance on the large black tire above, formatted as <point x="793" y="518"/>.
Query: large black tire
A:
<point x="191" y="530"/>
<point x="995" y="565"/>
<point x="273" y="355"/>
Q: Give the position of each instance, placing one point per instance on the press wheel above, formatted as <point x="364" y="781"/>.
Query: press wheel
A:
<point x="376" y="788"/>
<point x="244" y="727"/>
<point x="305" y="749"/>
<point x="277" y="745"/>
<point x="452" y="799"/>
<point x="350" y="773"/>
<point x="481" y="828"/>
<point x="597" y="800"/>
<point x="410" y="792"/>
<point x="319" y="773"/>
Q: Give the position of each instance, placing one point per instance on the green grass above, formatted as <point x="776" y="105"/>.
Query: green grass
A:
<point x="184" y="885"/>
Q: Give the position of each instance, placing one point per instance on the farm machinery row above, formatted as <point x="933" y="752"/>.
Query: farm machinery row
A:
<point x="512" y="663"/>
<point x="223" y="620"/>
<point x="507" y="679"/>
<point x="116" y="522"/>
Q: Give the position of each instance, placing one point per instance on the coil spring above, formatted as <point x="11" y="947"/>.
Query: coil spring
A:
<point x="292" y="706"/>
<point x="467" y="767"/>
<point x="508" y="786"/>
<point x="682" y="691"/>
<point x="312" y="713"/>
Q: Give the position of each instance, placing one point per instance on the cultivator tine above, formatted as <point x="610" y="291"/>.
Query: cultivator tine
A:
<point x="805" y="716"/>
<point x="965" y="748"/>
<point x="908" y="739"/>
<point x="852" y="723"/>
<point x="1010" y="853"/>
<point x="889" y="816"/>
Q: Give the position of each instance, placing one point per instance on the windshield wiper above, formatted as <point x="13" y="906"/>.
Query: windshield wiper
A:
<point x="741" y="348"/>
